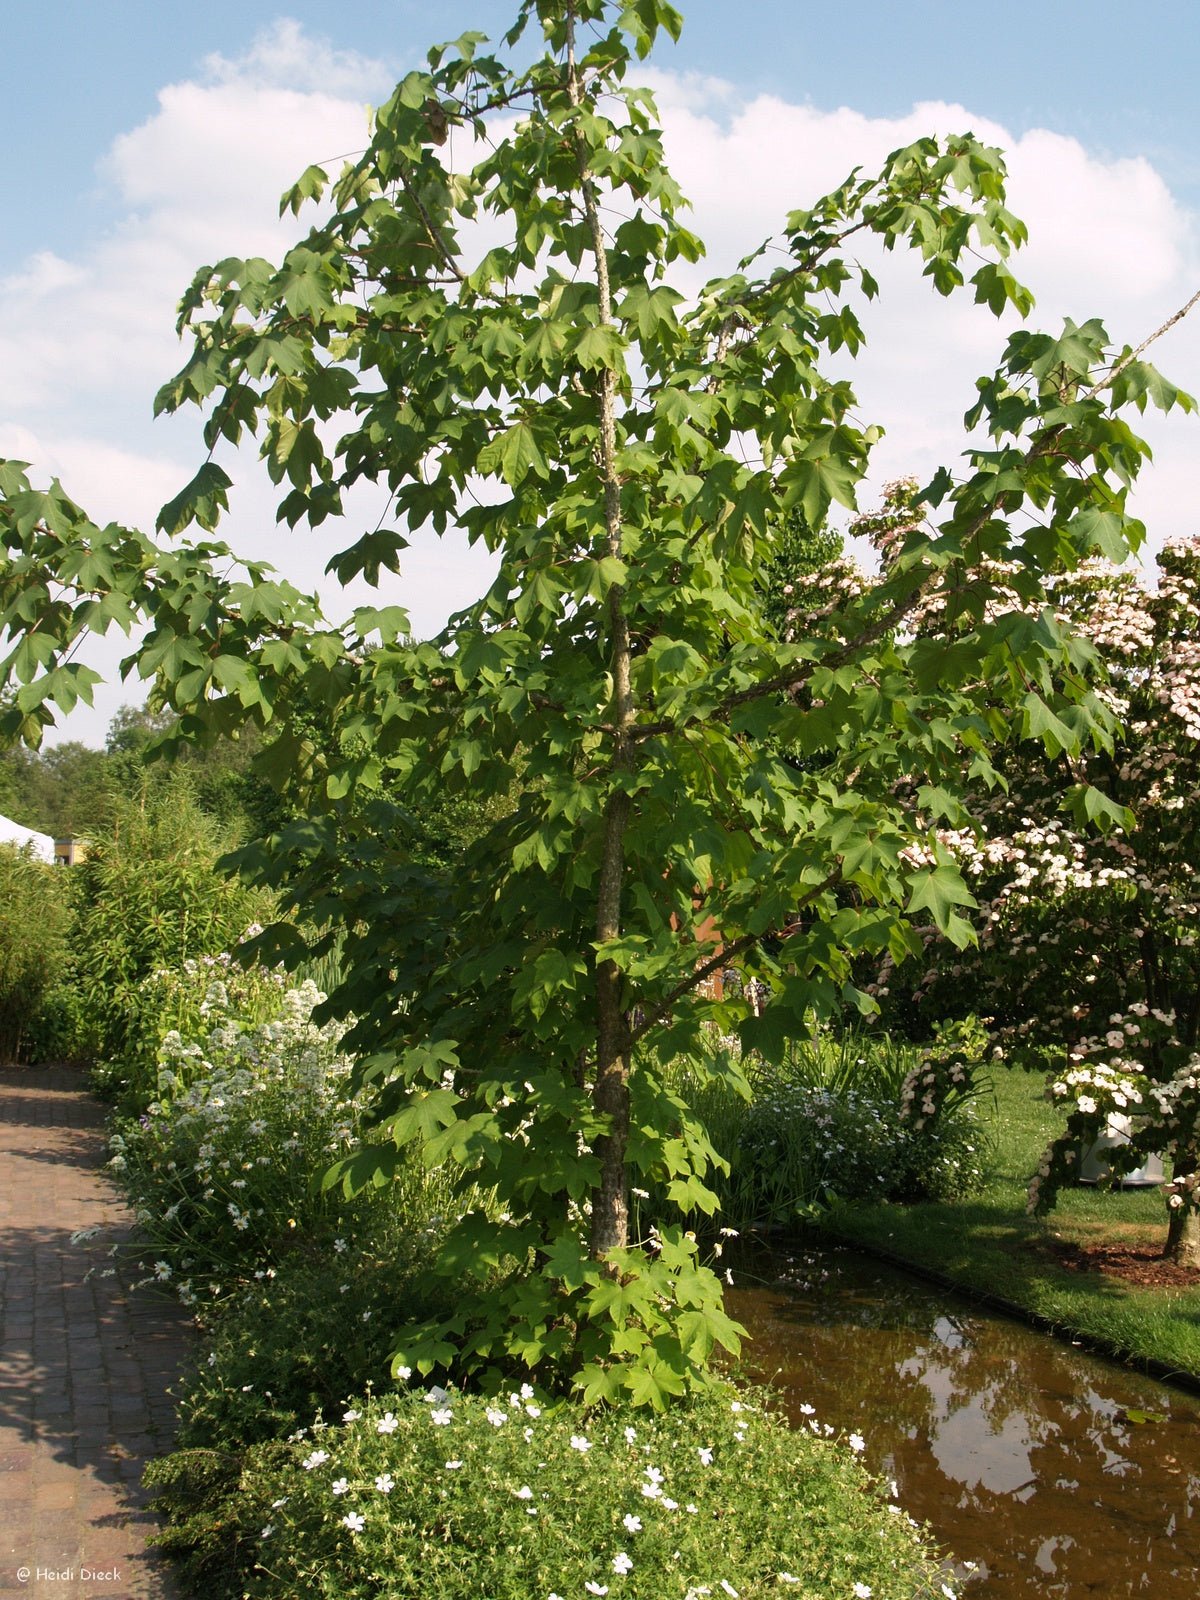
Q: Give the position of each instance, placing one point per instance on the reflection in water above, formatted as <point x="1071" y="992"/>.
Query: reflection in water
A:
<point x="1056" y="1472"/>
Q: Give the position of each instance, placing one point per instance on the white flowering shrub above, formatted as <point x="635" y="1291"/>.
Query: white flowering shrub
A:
<point x="804" y="1145"/>
<point x="459" y="1496"/>
<point x="1116" y="906"/>
<point x="181" y="999"/>
<point x="1087" y="877"/>
<point x="1137" y="1070"/>
<point x="223" y="1165"/>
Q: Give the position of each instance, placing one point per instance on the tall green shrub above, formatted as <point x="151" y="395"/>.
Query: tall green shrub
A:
<point x="35" y="914"/>
<point x="151" y="896"/>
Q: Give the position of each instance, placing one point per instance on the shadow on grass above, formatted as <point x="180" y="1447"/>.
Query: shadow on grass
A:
<point x="978" y="1243"/>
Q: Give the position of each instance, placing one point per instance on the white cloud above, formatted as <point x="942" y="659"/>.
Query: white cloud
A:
<point x="110" y="483"/>
<point x="198" y="181"/>
<point x="85" y="341"/>
<point x="284" y="56"/>
<point x="1107" y="239"/>
<point x="45" y="274"/>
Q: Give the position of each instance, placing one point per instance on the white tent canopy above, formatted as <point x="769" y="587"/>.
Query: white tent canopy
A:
<point x="40" y="845"/>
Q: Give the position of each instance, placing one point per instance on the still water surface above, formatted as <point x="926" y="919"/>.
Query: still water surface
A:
<point x="1056" y="1472"/>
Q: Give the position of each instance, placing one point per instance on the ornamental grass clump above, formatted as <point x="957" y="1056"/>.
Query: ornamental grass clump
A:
<point x="510" y="1497"/>
<point x="858" y="1118"/>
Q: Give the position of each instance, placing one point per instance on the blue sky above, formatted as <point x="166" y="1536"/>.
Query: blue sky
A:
<point x="142" y="137"/>
<point x="1122" y="79"/>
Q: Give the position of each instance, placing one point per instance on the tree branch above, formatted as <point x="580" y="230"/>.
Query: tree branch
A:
<point x="431" y="228"/>
<point x="1145" y="345"/>
<point x="725" y="955"/>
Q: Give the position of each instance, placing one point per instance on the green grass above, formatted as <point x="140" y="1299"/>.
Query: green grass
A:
<point x="987" y="1242"/>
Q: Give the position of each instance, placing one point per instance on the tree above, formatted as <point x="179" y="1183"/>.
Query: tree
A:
<point x="1088" y="875"/>
<point x="619" y="679"/>
<point x="148" y="896"/>
<point x="63" y="791"/>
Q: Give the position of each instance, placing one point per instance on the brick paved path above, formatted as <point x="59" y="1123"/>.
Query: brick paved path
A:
<point x="85" y="1359"/>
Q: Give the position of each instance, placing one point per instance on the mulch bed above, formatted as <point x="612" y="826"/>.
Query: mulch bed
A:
<point x="1140" y="1265"/>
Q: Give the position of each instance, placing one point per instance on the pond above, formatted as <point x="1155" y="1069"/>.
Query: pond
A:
<point x="1056" y="1472"/>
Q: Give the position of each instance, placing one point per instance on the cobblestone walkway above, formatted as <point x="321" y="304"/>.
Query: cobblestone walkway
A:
<point x="85" y="1358"/>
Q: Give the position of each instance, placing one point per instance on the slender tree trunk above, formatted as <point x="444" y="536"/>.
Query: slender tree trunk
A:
<point x="610" y="1091"/>
<point x="1183" y="1236"/>
<point x="1183" y="1226"/>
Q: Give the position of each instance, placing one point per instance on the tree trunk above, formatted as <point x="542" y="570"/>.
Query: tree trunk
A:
<point x="610" y="1091"/>
<point x="1183" y="1236"/>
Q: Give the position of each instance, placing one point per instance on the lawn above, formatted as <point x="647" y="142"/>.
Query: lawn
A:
<point x="987" y="1242"/>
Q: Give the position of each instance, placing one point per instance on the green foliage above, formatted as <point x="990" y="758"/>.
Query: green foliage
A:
<point x="842" y="1119"/>
<point x="666" y="770"/>
<point x="185" y="1003"/>
<point x="35" y="920"/>
<point x="149" y="897"/>
<point x="317" y="1326"/>
<point x="845" y="1120"/>
<point x="64" y="791"/>
<point x="798" y="552"/>
<point x="459" y="1496"/>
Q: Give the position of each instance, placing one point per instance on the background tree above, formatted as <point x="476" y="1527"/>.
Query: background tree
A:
<point x="620" y="677"/>
<point x="149" y="895"/>
<point x="62" y="791"/>
<point x="1088" y="960"/>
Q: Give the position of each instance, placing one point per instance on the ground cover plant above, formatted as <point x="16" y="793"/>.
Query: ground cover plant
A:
<point x="681" y="772"/>
<point x="1055" y="1267"/>
<point x="441" y="1493"/>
